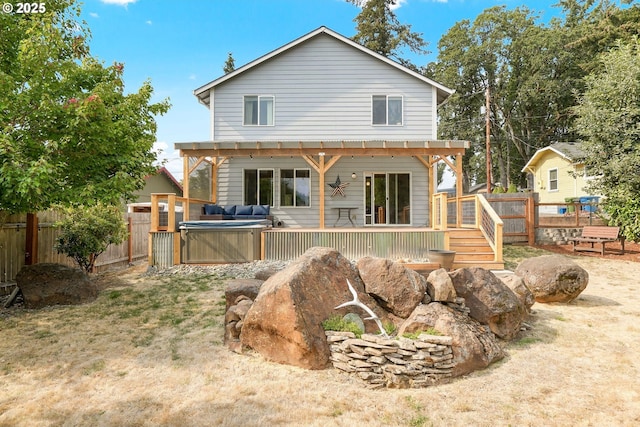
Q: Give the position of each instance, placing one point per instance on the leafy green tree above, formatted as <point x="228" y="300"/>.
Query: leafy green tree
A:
<point x="534" y="72"/>
<point x="230" y="64"/>
<point x="69" y="133"/>
<point x="608" y="116"/>
<point x="87" y="231"/>
<point x="380" y="30"/>
<point x="489" y="53"/>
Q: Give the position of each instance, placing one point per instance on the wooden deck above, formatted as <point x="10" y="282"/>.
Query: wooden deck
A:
<point x="472" y="230"/>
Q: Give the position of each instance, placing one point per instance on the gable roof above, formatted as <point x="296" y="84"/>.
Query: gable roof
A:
<point x="570" y="151"/>
<point x="203" y="92"/>
<point x="164" y="171"/>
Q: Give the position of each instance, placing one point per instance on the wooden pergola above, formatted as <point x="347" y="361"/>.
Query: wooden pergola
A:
<point x="322" y="156"/>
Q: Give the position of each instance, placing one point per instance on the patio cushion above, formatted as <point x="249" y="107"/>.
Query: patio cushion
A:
<point x="261" y="210"/>
<point x="244" y="210"/>
<point x="213" y="210"/>
<point x="230" y="210"/>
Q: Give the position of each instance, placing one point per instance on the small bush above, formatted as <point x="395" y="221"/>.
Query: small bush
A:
<point x="416" y="334"/>
<point x="389" y="328"/>
<point x="337" y="323"/>
<point x="86" y="232"/>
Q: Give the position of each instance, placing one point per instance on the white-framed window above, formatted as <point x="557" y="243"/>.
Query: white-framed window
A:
<point x="258" y="186"/>
<point x="258" y="110"/>
<point x="553" y="180"/>
<point x="386" y="110"/>
<point x="295" y="187"/>
<point x="587" y="172"/>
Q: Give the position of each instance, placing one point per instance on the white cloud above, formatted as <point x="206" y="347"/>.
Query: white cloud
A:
<point x="160" y="147"/>
<point x="398" y="4"/>
<point x="169" y="158"/>
<point x="149" y="22"/>
<point x="94" y="15"/>
<point x="192" y="76"/>
<point x="118" y="2"/>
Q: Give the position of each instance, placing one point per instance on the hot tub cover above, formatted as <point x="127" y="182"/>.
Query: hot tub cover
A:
<point x="253" y="223"/>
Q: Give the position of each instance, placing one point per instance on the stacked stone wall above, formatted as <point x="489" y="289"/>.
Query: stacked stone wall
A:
<point x="393" y="362"/>
<point x="556" y="236"/>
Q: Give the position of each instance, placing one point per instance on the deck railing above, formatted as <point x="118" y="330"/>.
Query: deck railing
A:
<point x="491" y="225"/>
<point x="174" y="209"/>
<point x="439" y="211"/>
<point x="290" y="243"/>
<point x="471" y="211"/>
<point x="167" y="210"/>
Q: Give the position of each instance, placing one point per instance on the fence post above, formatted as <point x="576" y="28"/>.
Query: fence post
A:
<point x="531" y="221"/>
<point x="31" y="246"/>
<point x="130" y="239"/>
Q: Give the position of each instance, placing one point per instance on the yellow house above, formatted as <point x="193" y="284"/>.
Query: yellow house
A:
<point x="559" y="172"/>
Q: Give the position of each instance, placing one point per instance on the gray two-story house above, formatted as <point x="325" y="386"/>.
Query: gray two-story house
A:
<point x="324" y="131"/>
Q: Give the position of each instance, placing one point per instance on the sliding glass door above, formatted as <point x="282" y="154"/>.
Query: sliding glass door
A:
<point x="387" y="198"/>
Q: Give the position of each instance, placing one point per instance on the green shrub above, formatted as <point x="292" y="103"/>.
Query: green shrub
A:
<point x="389" y="328"/>
<point x="337" y="323"/>
<point x="416" y="334"/>
<point x="87" y="231"/>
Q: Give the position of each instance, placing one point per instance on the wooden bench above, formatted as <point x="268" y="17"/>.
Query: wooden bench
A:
<point x="597" y="234"/>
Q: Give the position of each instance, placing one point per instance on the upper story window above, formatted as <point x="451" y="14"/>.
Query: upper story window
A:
<point x="553" y="180"/>
<point x="258" y="110"/>
<point x="295" y="187"/>
<point x="386" y="110"/>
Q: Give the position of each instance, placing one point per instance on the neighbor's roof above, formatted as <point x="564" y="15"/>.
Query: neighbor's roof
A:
<point x="571" y="151"/>
<point x="203" y="92"/>
<point x="164" y="171"/>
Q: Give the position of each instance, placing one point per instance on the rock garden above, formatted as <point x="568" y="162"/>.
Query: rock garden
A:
<point x="386" y="324"/>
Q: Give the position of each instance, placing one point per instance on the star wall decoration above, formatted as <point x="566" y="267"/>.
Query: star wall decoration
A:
<point x="338" y="187"/>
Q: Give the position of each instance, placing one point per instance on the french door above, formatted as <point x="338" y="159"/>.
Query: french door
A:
<point x="387" y="198"/>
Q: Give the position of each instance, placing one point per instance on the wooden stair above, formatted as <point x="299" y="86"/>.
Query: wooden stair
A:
<point x="472" y="250"/>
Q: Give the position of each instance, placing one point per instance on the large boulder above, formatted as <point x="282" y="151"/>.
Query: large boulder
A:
<point x="489" y="300"/>
<point x="516" y="284"/>
<point x="474" y="346"/>
<point x="440" y="287"/>
<point x="234" y="320"/>
<point x="553" y="278"/>
<point x="237" y="287"/>
<point x="396" y="288"/>
<point x="284" y="324"/>
<point x="54" y="284"/>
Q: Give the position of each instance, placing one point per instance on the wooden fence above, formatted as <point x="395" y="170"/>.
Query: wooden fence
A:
<point x="524" y="216"/>
<point x="13" y="243"/>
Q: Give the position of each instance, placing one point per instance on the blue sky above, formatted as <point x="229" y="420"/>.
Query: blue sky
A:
<point x="182" y="44"/>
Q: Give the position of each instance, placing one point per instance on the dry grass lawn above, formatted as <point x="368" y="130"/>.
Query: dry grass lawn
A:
<point x="148" y="352"/>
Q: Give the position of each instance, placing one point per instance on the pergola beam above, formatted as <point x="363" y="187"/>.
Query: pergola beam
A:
<point x="299" y="152"/>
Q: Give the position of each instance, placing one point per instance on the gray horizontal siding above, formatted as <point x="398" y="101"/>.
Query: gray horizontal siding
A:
<point x="323" y="90"/>
<point x="230" y="189"/>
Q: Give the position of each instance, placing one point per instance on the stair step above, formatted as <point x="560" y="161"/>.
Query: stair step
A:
<point x="488" y="265"/>
<point x="470" y="248"/>
<point x="481" y="256"/>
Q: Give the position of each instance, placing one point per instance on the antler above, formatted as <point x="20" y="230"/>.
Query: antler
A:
<point x="357" y="303"/>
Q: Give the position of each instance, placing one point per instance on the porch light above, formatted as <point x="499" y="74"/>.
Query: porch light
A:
<point x="353" y="175"/>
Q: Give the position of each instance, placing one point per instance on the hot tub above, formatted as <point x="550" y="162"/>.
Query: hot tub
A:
<point x="220" y="241"/>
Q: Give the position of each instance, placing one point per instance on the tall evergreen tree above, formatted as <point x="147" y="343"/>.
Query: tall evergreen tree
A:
<point x="230" y="64"/>
<point x="380" y="30"/>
